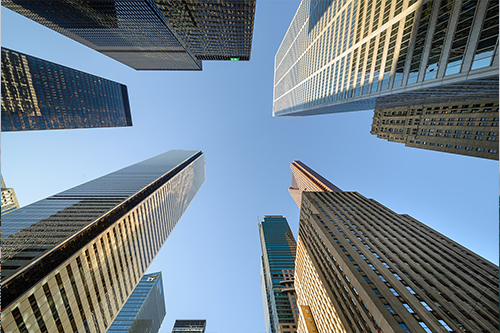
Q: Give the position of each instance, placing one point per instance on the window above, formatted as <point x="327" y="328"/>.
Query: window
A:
<point x="408" y="308"/>
<point x="426" y="306"/>
<point x="403" y="326"/>
<point x="410" y="290"/>
<point x="445" y="325"/>
<point x="424" y="326"/>
<point x="391" y="310"/>
<point x="366" y="279"/>
<point x="382" y="278"/>
<point x="394" y="292"/>
<point x="397" y="276"/>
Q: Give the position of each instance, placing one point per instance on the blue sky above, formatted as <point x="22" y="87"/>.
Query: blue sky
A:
<point x="210" y="262"/>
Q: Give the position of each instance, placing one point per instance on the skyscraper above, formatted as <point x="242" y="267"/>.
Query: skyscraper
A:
<point x="9" y="199"/>
<point x="144" y="310"/>
<point x="277" y="270"/>
<point x="70" y="261"/>
<point x="353" y="55"/>
<point x="38" y="95"/>
<point x="306" y="179"/>
<point x="467" y="128"/>
<point x="362" y="267"/>
<point x="151" y="34"/>
<point x="189" y="326"/>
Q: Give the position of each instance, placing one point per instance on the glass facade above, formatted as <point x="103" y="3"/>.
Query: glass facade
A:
<point x="278" y="256"/>
<point x="189" y="326"/>
<point x="151" y="34"/>
<point x="40" y="95"/>
<point x="340" y="56"/>
<point x="145" y="308"/>
<point x="100" y="240"/>
<point x="213" y="30"/>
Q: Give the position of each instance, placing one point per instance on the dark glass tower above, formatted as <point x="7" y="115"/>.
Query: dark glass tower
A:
<point x="144" y="310"/>
<point x="151" y="34"/>
<point x="83" y="251"/>
<point x="361" y="267"/>
<point x="277" y="267"/>
<point x="38" y="95"/>
<point x="189" y="326"/>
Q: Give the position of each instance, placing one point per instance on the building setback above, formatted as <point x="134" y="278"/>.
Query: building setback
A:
<point x="362" y="267"/>
<point x="144" y="310"/>
<point x="9" y="199"/>
<point x="340" y="56"/>
<point x="39" y="95"/>
<point x="277" y="271"/>
<point x="70" y="261"/>
<point x="306" y="179"/>
<point x="189" y="326"/>
<point x="467" y="128"/>
<point x="151" y="34"/>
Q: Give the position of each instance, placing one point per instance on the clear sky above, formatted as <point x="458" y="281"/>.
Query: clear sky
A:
<point x="211" y="261"/>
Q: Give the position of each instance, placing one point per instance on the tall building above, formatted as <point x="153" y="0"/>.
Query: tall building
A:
<point x="71" y="261"/>
<point x="306" y="179"/>
<point x="361" y="267"/>
<point x="39" y="95"/>
<point x="466" y="128"/>
<point x="151" y="34"/>
<point x="277" y="271"/>
<point x="144" y="310"/>
<point x="189" y="326"/>
<point x="340" y="56"/>
<point x="9" y="199"/>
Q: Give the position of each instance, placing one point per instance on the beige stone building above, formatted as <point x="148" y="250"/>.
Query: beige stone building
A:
<point x="466" y="128"/>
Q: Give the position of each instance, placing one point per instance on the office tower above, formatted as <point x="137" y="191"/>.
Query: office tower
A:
<point x="38" y="95"/>
<point x="353" y="55"/>
<point x="9" y="199"/>
<point x="213" y="30"/>
<point x="189" y="326"/>
<point x="466" y="128"/>
<point x="361" y="267"/>
<point x="306" y="179"/>
<point x="151" y="34"/>
<point x="277" y="270"/>
<point x="144" y="310"/>
<point x="71" y="261"/>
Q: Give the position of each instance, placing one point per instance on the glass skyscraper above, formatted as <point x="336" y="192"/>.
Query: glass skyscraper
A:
<point x="189" y="326"/>
<point x="39" y="95"/>
<point x="70" y="261"/>
<point x="144" y="310"/>
<point x="340" y="56"/>
<point x="151" y="34"/>
<point x="360" y="267"/>
<point x="277" y="271"/>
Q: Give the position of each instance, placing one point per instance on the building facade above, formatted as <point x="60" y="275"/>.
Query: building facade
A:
<point x="189" y="326"/>
<point x="145" y="310"/>
<point x="340" y="56"/>
<point x="151" y="34"/>
<point x="467" y="128"/>
<point x="306" y="179"/>
<point x="277" y="270"/>
<point x="9" y="199"/>
<point x="39" y="95"/>
<point x="71" y="261"/>
<point x="362" y="267"/>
